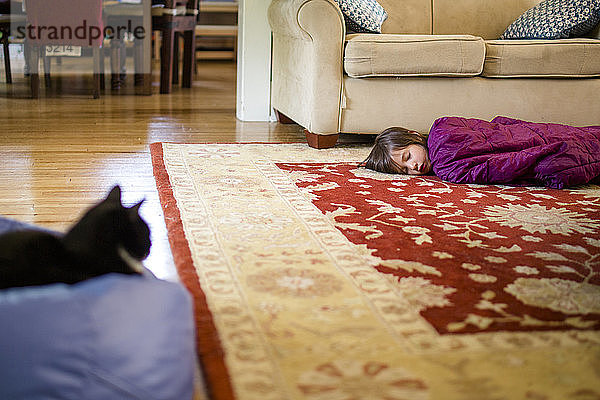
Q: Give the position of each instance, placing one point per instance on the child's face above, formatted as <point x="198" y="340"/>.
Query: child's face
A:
<point x="412" y="160"/>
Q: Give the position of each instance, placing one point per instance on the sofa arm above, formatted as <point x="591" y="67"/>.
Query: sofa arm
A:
<point x="294" y="18"/>
<point x="308" y="45"/>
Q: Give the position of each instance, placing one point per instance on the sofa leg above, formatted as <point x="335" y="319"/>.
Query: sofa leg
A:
<point x="320" y="141"/>
<point x="282" y="118"/>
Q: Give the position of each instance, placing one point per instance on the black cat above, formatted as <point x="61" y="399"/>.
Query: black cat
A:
<point x="108" y="238"/>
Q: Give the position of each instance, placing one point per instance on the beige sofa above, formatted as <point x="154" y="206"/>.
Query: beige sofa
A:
<point x="434" y="58"/>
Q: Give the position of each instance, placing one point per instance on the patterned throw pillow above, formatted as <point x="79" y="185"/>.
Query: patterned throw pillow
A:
<point x="555" y="19"/>
<point x="362" y="16"/>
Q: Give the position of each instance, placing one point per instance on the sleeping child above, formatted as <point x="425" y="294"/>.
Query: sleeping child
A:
<point x="503" y="151"/>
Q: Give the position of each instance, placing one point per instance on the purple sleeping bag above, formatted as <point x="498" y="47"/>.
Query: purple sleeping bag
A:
<point x="508" y="150"/>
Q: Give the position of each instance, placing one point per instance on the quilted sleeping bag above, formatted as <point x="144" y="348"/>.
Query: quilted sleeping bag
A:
<point x="516" y="152"/>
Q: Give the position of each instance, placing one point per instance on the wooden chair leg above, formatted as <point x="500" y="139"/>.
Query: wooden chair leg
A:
<point x="34" y="61"/>
<point x="5" y="45"/>
<point x="26" y="54"/>
<point x="138" y="62"/>
<point x="320" y="141"/>
<point x="115" y="64"/>
<point x="47" y="61"/>
<point x="195" y="59"/>
<point x="96" y="58"/>
<point x="101" y="67"/>
<point x="123" y="62"/>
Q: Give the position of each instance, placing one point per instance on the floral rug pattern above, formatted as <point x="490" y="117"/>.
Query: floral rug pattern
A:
<point x="315" y="279"/>
<point x="474" y="258"/>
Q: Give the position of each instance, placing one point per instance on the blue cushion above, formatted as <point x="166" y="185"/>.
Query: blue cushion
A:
<point x="112" y="337"/>
<point x="365" y="16"/>
<point x="555" y="19"/>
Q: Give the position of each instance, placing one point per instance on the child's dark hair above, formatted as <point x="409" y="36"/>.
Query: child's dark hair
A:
<point x="394" y="138"/>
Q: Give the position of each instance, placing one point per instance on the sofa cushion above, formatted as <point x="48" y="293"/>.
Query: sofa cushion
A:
<point x="577" y="58"/>
<point x="369" y="55"/>
<point x="555" y="19"/>
<point x="362" y="15"/>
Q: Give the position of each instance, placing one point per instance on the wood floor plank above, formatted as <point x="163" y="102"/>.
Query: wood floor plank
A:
<point x="62" y="152"/>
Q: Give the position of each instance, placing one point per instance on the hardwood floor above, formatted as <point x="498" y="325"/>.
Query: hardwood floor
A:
<point x="63" y="152"/>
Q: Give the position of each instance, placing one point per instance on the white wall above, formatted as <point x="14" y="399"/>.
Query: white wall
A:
<point x="253" y="61"/>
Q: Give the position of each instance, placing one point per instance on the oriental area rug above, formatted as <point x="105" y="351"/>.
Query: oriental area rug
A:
<point x="315" y="279"/>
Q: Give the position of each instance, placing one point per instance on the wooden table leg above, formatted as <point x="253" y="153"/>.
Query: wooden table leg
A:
<point x="175" y="80"/>
<point x="166" y="60"/>
<point x="188" y="58"/>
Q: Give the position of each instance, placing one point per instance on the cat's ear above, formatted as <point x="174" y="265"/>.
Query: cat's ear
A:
<point x="115" y="194"/>
<point x="136" y="207"/>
